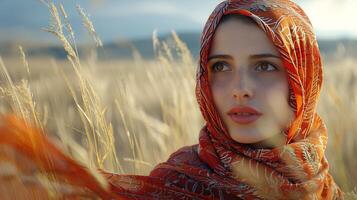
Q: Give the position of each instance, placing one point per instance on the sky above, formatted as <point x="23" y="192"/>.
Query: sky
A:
<point x="129" y="19"/>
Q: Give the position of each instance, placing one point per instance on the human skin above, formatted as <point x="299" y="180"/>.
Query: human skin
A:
<point x="245" y="69"/>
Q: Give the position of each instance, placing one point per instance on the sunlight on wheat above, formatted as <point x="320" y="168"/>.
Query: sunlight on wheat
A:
<point x="126" y="116"/>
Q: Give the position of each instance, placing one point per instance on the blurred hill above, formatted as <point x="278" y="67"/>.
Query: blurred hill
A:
<point x="123" y="49"/>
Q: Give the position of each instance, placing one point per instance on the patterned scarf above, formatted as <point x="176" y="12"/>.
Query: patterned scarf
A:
<point x="297" y="170"/>
<point x="218" y="167"/>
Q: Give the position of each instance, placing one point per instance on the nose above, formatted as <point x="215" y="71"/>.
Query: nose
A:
<point x="242" y="94"/>
<point x="242" y="89"/>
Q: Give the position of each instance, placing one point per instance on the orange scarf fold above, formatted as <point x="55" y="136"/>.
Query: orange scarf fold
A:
<point x="218" y="167"/>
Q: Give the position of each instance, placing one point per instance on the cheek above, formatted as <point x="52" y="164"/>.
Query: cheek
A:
<point x="220" y="89"/>
<point x="218" y="93"/>
<point x="276" y="92"/>
<point x="274" y="88"/>
<point x="276" y="101"/>
<point x="276" y="97"/>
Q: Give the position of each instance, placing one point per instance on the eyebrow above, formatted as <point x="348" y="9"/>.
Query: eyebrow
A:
<point x="257" y="56"/>
<point x="264" y="55"/>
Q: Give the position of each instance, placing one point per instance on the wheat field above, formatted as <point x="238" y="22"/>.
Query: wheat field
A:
<point x="126" y="116"/>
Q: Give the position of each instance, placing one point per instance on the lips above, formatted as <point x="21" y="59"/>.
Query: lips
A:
<point x="244" y="115"/>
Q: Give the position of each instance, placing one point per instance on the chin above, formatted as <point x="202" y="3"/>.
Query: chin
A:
<point x="245" y="140"/>
<point x="258" y="140"/>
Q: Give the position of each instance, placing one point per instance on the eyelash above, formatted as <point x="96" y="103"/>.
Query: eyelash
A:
<point x="221" y="63"/>
<point x="266" y="63"/>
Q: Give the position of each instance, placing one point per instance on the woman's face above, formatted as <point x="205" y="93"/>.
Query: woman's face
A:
<point x="245" y="70"/>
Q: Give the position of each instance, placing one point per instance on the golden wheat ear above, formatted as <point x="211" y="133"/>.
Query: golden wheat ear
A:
<point x="45" y="158"/>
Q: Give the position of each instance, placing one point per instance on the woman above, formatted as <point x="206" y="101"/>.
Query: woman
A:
<point x="258" y="83"/>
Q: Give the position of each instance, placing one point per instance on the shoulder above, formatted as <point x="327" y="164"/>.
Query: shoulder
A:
<point x="187" y="155"/>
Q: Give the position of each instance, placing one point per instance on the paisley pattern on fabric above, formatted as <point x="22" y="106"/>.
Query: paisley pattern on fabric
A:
<point x="218" y="167"/>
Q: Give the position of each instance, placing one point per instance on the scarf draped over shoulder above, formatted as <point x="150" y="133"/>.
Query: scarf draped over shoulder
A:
<point x="218" y="167"/>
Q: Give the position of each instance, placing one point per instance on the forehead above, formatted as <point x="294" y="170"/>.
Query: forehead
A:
<point x="237" y="36"/>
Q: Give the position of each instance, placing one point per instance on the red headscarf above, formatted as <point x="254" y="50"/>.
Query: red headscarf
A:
<point x="218" y="167"/>
<point x="296" y="170"/>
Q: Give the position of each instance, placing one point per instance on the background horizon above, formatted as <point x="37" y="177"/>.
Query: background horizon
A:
<point x="126" y="106"/>
<point x="132" y="20"/>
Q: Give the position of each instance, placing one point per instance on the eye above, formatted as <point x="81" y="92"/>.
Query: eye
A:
<point x="265" y="67"/>
<point x="220" y="67"/>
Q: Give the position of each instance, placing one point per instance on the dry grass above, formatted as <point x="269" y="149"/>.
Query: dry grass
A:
<point x="126" y="116"/>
